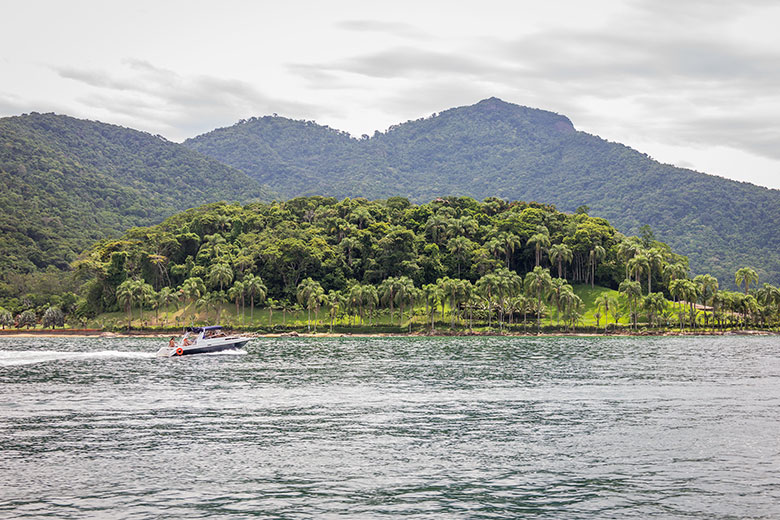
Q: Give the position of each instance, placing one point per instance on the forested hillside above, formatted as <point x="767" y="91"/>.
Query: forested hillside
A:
<point x="221" y="251"/>
<point x="497" y="149"/>
<point x="68" y="182"/>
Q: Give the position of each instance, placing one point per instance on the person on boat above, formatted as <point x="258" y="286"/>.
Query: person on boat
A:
<point x="172" y="343"/>
<point x="186" y="341"/>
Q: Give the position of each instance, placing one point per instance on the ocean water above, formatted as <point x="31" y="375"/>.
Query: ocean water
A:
<point x="555" y="428"/>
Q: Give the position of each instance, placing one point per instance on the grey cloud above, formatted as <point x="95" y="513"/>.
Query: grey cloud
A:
<point x="423" y="99"/>
<point x="166" y="102"/>
<point x="393" y="28"/>
<point x="405" y="61"/>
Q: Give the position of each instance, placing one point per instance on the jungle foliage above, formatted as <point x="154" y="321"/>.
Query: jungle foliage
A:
<point x="338" y="245"/>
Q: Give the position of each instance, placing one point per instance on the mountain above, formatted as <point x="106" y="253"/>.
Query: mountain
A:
<point x="68" y="182"/>
<point x="494" y="148"/>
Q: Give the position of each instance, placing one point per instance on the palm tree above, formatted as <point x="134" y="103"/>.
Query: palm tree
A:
<point x="627" y="250"/>
<point x="334" y="300"/>
<point x="217" y="299"/>
<point x="308" y="294"/>
<point x="460" y="247"/>
<point x="125" y="294"/>
<point x="596" y="254"/>
<point x="487" y="287"/>
<point x="404" y="295"/>
<point x="677" y="290"/>
<point x="572" y="307"/>
<point x="256" y="290"/>
<point x="654" y="304"/>
<point x="603" y="301"/>
<point x="220" y="274"/>
<point x="540" y="241"/>
<point x="655" y="260"/>
<point x="435" y="227"/>
<point x="638" y="265"/>
<point x="165" y="297"/>
<point x="675" y="272"/>
<point x="769" y="297"/>
<point x="632" y="291"/>
<point x="387" y="293"/>
<point x="537" y="283"/>
<point x="370" y="300"/>
<point x="192" y="289"/>
<point x="746" y="275"/>
<point x="143" y="293"/>
<point x="560" y="253"/>
<point x="431" y="295"/>
<point x="236" y="293"/>
<point x="708" y="288"/>
<point x="510" y="241"/>
<point x="557" y="289"/>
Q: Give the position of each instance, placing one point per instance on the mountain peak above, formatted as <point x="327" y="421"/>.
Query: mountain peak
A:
<point x="498" y="108"/>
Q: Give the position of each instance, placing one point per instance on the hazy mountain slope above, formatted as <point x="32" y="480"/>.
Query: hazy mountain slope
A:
<point x="499" y="149"/>
<point x="67" y="182"/>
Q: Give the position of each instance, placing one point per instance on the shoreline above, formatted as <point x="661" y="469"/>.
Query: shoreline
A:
<point x="76" y="333"/>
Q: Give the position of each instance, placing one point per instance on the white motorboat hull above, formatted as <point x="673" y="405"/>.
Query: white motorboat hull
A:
<point x="204" y="346"/>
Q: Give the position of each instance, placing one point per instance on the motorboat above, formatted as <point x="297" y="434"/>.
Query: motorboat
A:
<point x="201" y="340"/>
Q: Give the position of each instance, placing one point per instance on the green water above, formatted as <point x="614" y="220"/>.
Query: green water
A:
<point x="392" y="427"/>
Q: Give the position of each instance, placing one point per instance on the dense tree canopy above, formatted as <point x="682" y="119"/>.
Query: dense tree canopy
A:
<point x="383" y="244"/>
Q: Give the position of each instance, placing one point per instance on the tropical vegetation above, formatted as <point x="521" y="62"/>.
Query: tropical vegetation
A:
<point x="453" y="264"/>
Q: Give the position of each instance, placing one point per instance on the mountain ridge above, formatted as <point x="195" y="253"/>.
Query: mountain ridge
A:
<point x="71" y="181"/>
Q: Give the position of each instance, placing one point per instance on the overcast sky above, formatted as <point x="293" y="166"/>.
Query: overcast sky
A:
<point x="692" y="83"/>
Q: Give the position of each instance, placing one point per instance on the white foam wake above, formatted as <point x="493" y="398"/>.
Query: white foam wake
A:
<point x="27" y="357"/>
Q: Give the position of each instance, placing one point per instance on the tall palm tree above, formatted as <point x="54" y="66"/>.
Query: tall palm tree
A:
<point x="308" y="293"/>
<point x="537" y="283"/>
<point x="488" y="287"/>
<point x="404" y="295"/>
<point x="654" y="304"/>
<point x="596" y="254"/>
<point x="632" y="291"/>
<point x="256" y="291"/>
<point x="192" y="289"/>
<point x="746" y="275"/>
<point x="125" y="295"/>
<point x="460" y="247"/>
<point x="431" y="296"/>
<point x="236" y="293"/>
<point x="217" y="298"/>
<point x="220" y="274"/>
<point x="560" y="253"/>
<point x="165" y="297"/>
<point x="540" y="241"/>
<point x="387" y="293"/>
<point x="510" y="241"/>
<point x="637" y="265"/>
<point x="708" y="288"/>
<point x="370" y="298"/>
<point x="557" y="290"/>
<point x="333" y="300"/>
<point x="655" y="260"/>
<point x="603" y="301"/>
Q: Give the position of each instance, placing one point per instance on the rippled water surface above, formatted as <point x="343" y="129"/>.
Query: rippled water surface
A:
<point x="393" y="427"/>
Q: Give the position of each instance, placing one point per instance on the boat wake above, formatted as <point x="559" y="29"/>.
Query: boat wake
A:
<point x="28" y="357"/>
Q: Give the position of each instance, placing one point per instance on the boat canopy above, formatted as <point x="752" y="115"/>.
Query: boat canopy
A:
<point x="201" y="329"/>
